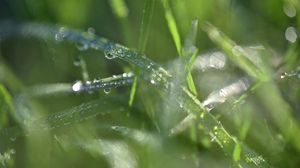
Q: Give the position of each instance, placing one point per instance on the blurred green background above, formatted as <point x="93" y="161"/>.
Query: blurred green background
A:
<point x="27" y="62"/>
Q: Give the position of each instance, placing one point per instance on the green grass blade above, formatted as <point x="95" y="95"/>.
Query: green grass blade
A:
<point x="6" y="106"/>
<point x="172" y="26"/>
<point x="133" y="90"/>
<point x="145" y="25"/>
<point x="144" y="33"/>
<point x="235" y="52"/>
<point x="189" y="53"/>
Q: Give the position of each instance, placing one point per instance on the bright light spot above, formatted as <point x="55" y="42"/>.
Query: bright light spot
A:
<point x="77" y="86"/>
<point x="289" y="10"/>
<point x="215" y="60"/>
<point x="291" y="34"/>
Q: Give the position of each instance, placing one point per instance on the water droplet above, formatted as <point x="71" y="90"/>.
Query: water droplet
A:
<point x="116" y="128"/>
<point x="107" y="90"/>
<point x="152" y="81"/>
<point x="213" y="138"/>
<point x="61" y="34"/>
<point x="180" y="105"/>
<point x="91" y="31"/>
<point x="291" y="34"/>
<point x="82" y="46"/>
<point x="215" y="127"/>
<point x="77" y="86"/>
<point x="289" y="10"/>
<point x="202" y="115"/>
<point x="77" y="61"/>
<point x="109" y="56"/>
<point x="283" y="75"/>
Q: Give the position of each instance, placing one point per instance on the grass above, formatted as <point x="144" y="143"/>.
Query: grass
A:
<point x="196" y="106"/>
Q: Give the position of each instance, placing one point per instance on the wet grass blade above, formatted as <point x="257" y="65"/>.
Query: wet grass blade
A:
<point x="172" y="26"/>
<point x="144" y="33"/>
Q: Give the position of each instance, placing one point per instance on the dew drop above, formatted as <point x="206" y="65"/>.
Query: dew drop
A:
<point x="215" y="127"/>
<point x="107" y="91"/>
<point x="109" y="56"/>
<point x="291" y="34"/>
<point x="213" y="138"/>
<point x="61" y="34"/>
<point x="283" y="75"/>
<point x="152" y="81"/>
<point x="77" y="61"/>
<point x="289" y="10"/>
<point x="91" y="31"/>
<point x="82" y="46"/>
<point x="77" y="86"/>
<point x="202" y="115"/>
<point x="180" y="105"/>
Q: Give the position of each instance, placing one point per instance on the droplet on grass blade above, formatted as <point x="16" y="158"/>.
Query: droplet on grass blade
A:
<point x="109" y="56"/>
<point x="107" y="91"/>
<point x="291" y="34"/>
<point x="77" y="86"/>
<point x="61" y="34"/>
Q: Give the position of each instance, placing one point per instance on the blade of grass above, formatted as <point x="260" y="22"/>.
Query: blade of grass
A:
<point x="6" y="106"/>
<point x="189" y="53"/>
<point x="235" y="52"/>
<point x="189" y="50"/>
<point x="172" y="26"/>
<point x="144" y="33"/>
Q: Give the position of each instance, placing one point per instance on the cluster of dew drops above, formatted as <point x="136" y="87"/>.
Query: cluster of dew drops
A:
<point x="291" y="35"/>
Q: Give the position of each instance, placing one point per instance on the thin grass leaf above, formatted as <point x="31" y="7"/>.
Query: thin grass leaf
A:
<point x="115" y="81"/>
<point x="144" y="34"/>
<point x="145" y="25"/>
<point x="6" y="106"/>
<point x="189" y="53"/>
<point x="172" y="26"/>
<point x="133" y="90"/>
